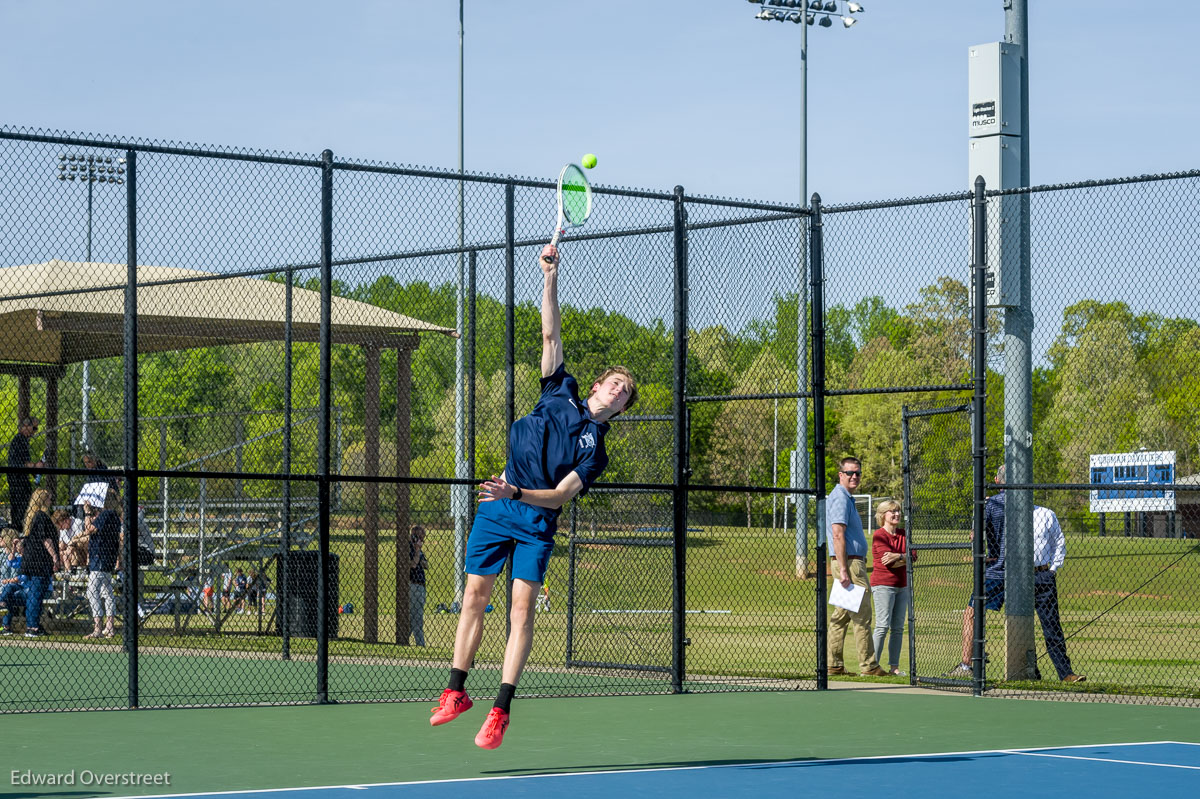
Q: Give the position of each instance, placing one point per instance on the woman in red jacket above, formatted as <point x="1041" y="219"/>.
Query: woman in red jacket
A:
<point x="889" y="581"/>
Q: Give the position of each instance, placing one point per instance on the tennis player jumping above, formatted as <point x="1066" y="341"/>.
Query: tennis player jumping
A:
<point x="554" y="453"/>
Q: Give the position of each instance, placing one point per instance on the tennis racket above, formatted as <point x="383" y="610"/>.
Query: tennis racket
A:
<point x="574" y="201"/>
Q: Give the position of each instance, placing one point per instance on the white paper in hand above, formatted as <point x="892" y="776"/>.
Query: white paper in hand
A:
<point x="849" y="598"/>
<point x="93" y="494"/>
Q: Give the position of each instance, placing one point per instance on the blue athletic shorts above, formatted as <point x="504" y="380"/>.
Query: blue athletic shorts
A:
<point x="503" y="526"/>
<point x="993" y="590"/>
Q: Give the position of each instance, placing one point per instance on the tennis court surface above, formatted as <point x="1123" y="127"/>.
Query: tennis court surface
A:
<point x="764" y="745"/>
<point x="1114" y="770"/>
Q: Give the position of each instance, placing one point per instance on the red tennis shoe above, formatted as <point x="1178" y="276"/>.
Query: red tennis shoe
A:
<point x="451" y="705"/>
<point x="491" y="735"/>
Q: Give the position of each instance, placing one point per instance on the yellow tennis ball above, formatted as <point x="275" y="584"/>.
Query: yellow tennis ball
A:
<point x="589" y="160"/>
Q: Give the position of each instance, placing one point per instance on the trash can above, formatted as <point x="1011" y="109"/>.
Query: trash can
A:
<point x="300" y="589"/>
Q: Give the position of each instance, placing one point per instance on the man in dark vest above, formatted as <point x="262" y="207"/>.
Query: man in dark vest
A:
<point x="20" y="486"/>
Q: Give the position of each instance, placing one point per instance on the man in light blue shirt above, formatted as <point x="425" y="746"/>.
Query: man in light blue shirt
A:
<point x="844" y="532"/>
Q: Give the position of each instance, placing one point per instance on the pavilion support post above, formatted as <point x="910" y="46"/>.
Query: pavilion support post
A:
<point x="371" y="496"/>
<point x="403" y="495"/>
<point x="22" y="397"/>
<point x="50" y="454"/>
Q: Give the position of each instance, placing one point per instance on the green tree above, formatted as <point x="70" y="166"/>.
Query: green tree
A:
<point x="742" y="434"/>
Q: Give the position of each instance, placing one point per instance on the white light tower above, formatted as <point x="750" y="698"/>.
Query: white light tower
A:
<point x="460" y="494"/>
<point x="89" y="169"/>
<point x="804" y="14"/>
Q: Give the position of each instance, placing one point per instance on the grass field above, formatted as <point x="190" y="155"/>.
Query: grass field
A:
<point x="1128" y="607"/>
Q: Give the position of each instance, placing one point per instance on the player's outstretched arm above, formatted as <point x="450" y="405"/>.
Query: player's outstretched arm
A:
<point x="552" y="354"/>
<point x="553" y="498"/>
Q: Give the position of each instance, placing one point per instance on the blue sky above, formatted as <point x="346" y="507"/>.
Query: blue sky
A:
<point x="696" y="93"/>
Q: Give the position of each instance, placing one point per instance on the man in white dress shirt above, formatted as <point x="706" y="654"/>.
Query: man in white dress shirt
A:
<point x="1049" y="552"/>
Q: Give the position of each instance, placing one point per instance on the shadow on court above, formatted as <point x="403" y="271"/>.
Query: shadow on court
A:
<point x="805" y="762"/>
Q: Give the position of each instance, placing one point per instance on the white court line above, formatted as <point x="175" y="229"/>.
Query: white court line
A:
<point x="1103" y="760"/>
<point x="750" y="763"/>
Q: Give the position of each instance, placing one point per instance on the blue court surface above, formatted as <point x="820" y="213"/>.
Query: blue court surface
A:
<point x="1164" y="768"/>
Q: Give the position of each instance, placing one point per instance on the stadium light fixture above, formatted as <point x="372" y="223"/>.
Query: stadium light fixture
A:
<point x="811" y="12"/>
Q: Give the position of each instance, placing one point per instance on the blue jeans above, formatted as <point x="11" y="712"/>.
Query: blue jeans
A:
<point x="1045" y="602"/>
<point x="891" y="608"/>
<point x="35" y="591"/>
<point x="11" y="595"/>
<point x="416" y="612"/>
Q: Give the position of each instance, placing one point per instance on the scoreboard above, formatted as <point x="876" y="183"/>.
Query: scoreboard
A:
<point x="1109" y="472"/>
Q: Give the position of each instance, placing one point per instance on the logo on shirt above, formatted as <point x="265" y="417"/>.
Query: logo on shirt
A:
<point x="588" y="440"/>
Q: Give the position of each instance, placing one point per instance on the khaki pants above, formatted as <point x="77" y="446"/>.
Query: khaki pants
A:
<point x="840" y="618"/>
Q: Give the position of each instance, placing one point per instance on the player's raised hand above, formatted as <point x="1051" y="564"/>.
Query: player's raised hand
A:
<point x="549" y="259"/>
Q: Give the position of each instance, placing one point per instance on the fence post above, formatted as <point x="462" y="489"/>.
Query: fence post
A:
<point x="817" y="293"/>
<point x="979" y="315"/>
<point x="472" y="304"/>
<point x="906" y="477"/>
<point x="510" y="360"/>
<point x="281" y="571"/>
<point x="132" y="572"/>
<point x="680" y="499"/>
<point x="571" y="584"/>
<point x="322" y="586"/>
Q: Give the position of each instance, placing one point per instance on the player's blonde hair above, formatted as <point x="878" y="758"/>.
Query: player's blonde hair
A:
<point x="628" y="375"/>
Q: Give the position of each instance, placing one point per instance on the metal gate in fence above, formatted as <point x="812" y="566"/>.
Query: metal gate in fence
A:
<point x="937" y="468"/>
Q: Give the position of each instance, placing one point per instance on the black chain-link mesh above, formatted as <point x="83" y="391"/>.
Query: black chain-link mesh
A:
<point x="939" y="519"/>
<point x="1114" y="400"/>
<point x="229" y="247"/>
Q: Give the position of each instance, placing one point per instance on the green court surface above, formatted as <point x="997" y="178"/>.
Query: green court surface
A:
<point x="38" y="679"/>
<point x="251" y="748"/>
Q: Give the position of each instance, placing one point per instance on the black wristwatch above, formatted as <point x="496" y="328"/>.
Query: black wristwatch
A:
<point x="516" y="493"/>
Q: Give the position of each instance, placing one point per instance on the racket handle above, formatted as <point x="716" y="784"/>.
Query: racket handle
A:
<point x="553" y="243"/>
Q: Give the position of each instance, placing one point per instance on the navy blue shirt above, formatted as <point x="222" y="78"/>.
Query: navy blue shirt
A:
<point x="105" y="543"/>
<point x="557" y="437"/>
<point x="993" y="524"/>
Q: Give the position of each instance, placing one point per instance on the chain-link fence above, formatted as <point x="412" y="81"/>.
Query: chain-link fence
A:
<point x="315" y="360"/>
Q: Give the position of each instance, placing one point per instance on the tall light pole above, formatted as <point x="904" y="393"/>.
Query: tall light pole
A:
<point x="459" y="493"/>
<point x="804" y="14"/>
<point x="89" y="169"/>
<point x="1018" y="402"/>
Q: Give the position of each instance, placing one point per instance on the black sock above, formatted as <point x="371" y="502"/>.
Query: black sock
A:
<point x="505" y="698"/>
<point x="458" y="680"/>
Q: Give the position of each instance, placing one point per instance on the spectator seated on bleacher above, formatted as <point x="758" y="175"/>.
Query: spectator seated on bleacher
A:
<point x="68" y="529"/>
<point x="12" y="597"/>
<point x="11" y="584"/>
<point x="145" y="541"/>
